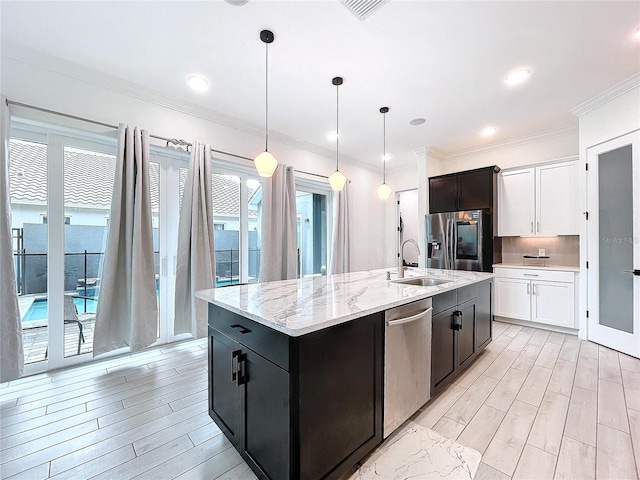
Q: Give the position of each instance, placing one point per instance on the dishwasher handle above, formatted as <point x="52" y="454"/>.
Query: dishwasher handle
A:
<point x="412" y="318"/>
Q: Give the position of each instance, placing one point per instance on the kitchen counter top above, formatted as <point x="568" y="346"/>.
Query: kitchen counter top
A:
<point x="538" y="267"/>
<point x="298" y="307"/>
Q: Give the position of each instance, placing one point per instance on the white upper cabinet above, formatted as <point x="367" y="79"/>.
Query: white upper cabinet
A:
<point x="557" y="199"/>
<point x="539" y="200"/>
<point x="516" y="202"/>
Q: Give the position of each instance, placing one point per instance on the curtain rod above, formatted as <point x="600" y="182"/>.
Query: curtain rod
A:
<point x="175" y="141"/>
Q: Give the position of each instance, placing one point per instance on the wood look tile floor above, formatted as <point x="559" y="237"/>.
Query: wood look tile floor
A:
<point x="544" y="405"/>
<point x="535" y="404"/>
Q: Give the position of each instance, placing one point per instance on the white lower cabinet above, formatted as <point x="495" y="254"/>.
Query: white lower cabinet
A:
<point x="538" y="295"/>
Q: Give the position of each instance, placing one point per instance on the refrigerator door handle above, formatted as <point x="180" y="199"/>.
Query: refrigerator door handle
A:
<point x="453" y="239"/>
<point x="445" y="247"/>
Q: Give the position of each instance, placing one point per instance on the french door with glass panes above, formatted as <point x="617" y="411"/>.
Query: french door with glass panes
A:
<point x="61" y="184"/>
<point x="613" y="239"/>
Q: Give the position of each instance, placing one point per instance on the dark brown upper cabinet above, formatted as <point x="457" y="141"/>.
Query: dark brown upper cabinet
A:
<point x="469" y="190"/>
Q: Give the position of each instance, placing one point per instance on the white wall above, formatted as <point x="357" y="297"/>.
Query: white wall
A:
<point x="69" y="88"/>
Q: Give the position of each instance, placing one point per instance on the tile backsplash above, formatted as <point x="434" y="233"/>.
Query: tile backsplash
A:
<point x="563" y="250"/>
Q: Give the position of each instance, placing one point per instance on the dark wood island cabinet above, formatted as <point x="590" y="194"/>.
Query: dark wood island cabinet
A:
<point x="307" y="407"/>
<point x="461" y="328"/>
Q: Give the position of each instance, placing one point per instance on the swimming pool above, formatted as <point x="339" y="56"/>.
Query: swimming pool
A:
<point x="39" y="309"/>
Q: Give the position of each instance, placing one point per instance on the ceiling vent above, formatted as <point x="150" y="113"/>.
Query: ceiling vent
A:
<point x="363" y="8"/>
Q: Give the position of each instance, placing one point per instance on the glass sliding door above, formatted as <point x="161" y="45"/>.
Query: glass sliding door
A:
<point x="29" y="230"/>
<point x="254" y="196"/>
<point x="88" y="188"/>
<point x="225" y="190"/>
<point x="312" y="233"/>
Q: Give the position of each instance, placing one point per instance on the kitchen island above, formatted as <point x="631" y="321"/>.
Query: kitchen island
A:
<point x="296" y="367"/>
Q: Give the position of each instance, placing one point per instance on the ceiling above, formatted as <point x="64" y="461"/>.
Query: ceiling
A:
<point x="444" y="61"/>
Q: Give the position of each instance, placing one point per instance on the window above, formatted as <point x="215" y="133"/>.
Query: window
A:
<point x="218" y="226"/>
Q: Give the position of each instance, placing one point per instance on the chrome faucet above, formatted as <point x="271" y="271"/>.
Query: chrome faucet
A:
<point x="401" y="259"/>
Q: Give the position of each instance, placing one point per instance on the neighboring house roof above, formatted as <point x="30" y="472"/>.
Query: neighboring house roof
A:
<point x="88" y="179"/>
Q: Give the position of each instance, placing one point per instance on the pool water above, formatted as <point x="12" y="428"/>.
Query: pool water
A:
<point x="39" y="309"/>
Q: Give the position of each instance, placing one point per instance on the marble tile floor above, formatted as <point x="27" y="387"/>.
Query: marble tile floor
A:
<point x="416" y="452"/>
<point x="535" y="404"/>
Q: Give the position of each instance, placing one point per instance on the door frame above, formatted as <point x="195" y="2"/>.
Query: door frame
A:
<point x="607" y="336"/>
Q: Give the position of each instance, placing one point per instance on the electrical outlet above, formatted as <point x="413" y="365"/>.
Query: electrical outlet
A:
<point x="541" y="252"/>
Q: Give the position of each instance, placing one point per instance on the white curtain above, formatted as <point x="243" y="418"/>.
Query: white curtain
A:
<point x="127" y="312"/>
<point x="279" y="251"/>
<point x="11" y="353"/>
<point x="339" y="256"/>
<point x="196" y="265"/>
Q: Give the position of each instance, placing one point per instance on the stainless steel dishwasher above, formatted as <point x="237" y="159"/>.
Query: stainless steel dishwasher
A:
<point x="407" y="362"/>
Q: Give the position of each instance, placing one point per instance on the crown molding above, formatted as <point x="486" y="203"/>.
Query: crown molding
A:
<point x="536" y="137"/>
<point x="620" y="89"/>
<point x="99" y="79"/>
<point x="429" y="151"/>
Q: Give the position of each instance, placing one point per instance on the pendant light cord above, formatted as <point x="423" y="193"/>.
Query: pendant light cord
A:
<point x="337" y="125"/>
<point x="384" y="147"/>
<point x="266" y="99"/>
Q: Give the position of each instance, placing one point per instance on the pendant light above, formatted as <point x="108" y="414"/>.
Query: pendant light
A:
<point x="384" y="190"/>
<point x="266" y="163"/>
<point x="337" y="178"/>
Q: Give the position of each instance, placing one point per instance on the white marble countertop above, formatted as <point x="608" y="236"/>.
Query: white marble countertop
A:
<point x="538" y="267"/>
<point x="298" y="307"/>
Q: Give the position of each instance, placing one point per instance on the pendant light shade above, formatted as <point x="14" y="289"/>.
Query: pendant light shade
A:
<point x="266" y="163"/>
<point x="337" y="178"/>
<point x="384" y="190"/>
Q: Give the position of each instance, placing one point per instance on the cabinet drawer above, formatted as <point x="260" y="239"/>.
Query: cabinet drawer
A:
<point x="525" y="274"/>
<point x="467" y="293"/>
<point x="269" y="343"/>
<point x="445" y="301"/>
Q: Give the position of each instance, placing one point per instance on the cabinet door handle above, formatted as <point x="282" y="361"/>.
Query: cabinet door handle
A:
<point x="457" y="320"/>
<point x="240" y="328"/>
<point x="530" y="275"/>
<point x="234" y="365"/>
<point x="531" y="227"/>
<point x="242" y="370"/>
<point x="528" y="289"/>
<point x="538" y="224"/>
<point x="534" y="290"/>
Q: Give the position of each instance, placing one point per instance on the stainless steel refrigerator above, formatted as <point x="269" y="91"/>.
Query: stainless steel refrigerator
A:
<point x="460" y="240"/>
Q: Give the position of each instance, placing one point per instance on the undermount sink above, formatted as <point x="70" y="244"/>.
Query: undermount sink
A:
<point x="422" y="281"/>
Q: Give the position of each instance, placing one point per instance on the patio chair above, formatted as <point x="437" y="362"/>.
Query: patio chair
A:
<point x="71" y="316"/>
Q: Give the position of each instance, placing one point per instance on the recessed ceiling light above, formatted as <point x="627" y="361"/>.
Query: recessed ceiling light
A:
<point x="237" y="3"/>
<point x="417" y="121"/>
<point x="198" y="82"/>
<point x="332" y="136"/>
<point x="517" y="76"/>
<point x="386" y="157"/>
<point x="488" y="131"/>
